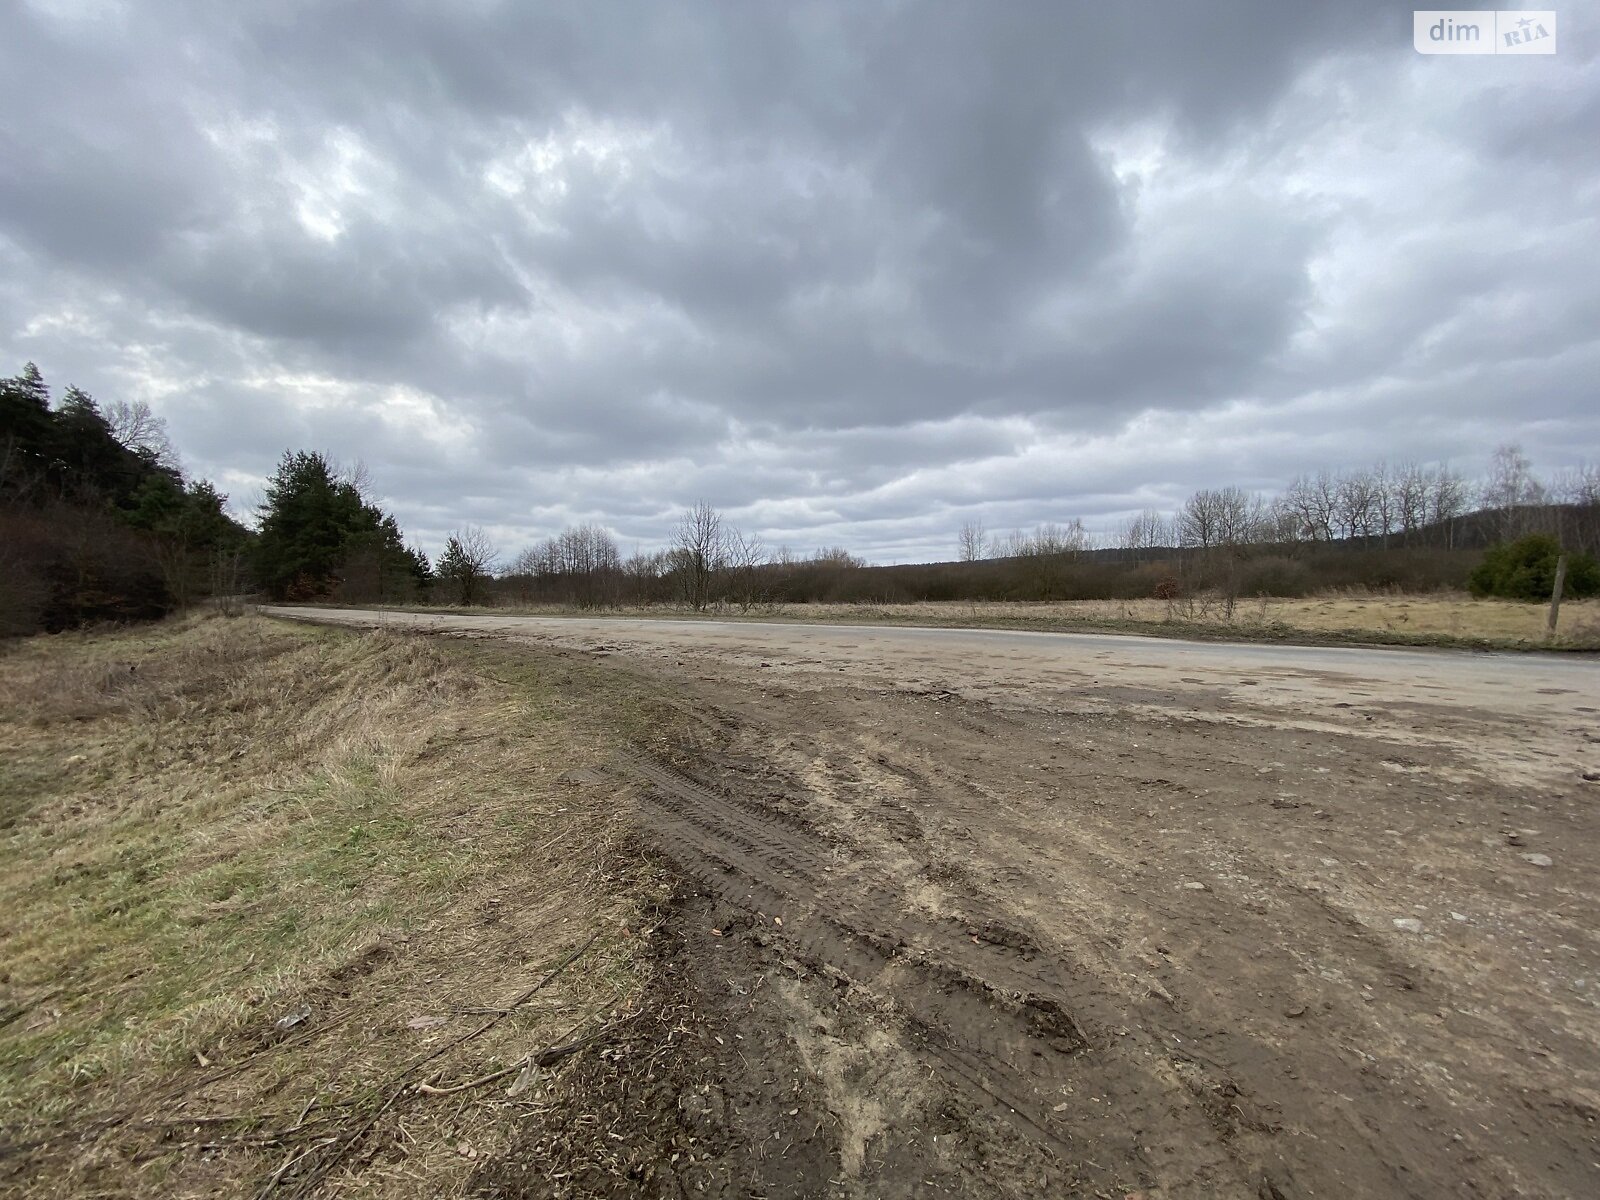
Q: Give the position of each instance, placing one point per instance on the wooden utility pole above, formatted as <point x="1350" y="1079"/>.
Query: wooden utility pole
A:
<point x="1555" y="597"/>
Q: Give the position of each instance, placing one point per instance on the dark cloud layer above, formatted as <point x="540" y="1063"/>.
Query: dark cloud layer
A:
<point x="855" y="272"/>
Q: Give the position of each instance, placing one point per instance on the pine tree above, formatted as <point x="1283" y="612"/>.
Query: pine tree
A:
<point x="304" y="523"/>
<point x="320" y="537"/>
<point x="29" y="386"/>
<point x="27" y="432"/>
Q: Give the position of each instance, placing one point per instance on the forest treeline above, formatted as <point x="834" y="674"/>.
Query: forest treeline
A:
<point x="99" y="522"/>
<point x="1409" y="528"/>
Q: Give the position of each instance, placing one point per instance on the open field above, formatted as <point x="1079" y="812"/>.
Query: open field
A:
<point x="253" y="875"/>
<point x="1011" y="914"/>
<point x="1445" y="619"/>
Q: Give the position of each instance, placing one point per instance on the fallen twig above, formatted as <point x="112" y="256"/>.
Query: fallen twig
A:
<point x="289" y="1162"/>
<point x="544" y="1058"/>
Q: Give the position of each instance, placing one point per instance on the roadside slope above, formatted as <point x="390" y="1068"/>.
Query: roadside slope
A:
<point x="258" y="881"/>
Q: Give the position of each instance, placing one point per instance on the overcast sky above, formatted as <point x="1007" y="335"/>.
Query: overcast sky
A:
<point x="854" y="273"/>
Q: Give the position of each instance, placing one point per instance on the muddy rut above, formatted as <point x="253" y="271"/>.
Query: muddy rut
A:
<point x="980" y="1010"/>
<point x="1137" y="956"/>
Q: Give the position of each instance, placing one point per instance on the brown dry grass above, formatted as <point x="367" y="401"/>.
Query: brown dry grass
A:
<point x="1432" y="619"/>
<point x="1440" y="615"/>
<point x="211" y="825"/>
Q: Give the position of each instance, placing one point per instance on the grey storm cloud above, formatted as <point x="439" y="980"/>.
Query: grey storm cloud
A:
<point x="856" y="273"/>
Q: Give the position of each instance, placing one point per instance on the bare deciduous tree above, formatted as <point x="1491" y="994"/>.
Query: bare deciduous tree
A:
<point x="836" y="556"/>
<point x="1011" y="545"/>
<point x="1449" y="497"/>
<point x="1384" y="508"/>
<point x="1579" y="489"/>
<point x="972" y="541"/>
<point x="1580" y="486"/>
<point x="468" y="562"/>
<point x="1408" y="486"/>
<point x="745" y="556"/>
<point x="581" y="565"/>
<point x="1221" y="523"/>
<point x="1315" y="502"/>
<point x="1512" y="491"/>
<point x="700" y="547"/>
<point x="1239" y="516"/>
<point x="1048" y="540"/>
<point x="226" y="565"/>
<point x="358" y="476"/>
<point x="1146" y="531"/>
<point x="1200" y="520"/>
<point x="137" y="428"/>
<point x="1053" y="541"/>
<point x="1355" y="497"/>
<point x="644" y="573"/>
<point x="1281" y="523"/>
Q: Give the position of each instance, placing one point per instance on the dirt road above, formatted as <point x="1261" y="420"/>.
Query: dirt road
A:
<point x="984" y="913"/>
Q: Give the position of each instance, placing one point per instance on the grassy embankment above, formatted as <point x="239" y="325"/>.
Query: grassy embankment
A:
<point x="252" y="874"/>
<point x="1448" y="619"/>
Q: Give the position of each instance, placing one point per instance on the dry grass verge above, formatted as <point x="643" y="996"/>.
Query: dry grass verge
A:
<point x="1396" y="619"/>
<point x="1443" y="619"/>
<point x="259" y="881"/>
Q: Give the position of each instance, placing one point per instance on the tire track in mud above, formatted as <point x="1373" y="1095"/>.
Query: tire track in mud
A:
<point x="787" y="848"/>
<point x="1145" y="1094"/>
<point x="1257" y="1112"/>
<point x="976" y="1009"/>
<point x="999" y="1020"/>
